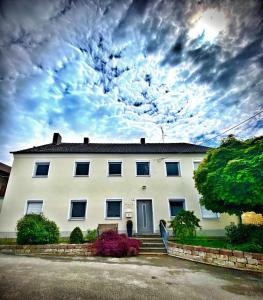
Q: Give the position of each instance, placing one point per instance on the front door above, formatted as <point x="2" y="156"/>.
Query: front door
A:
<point x="144" y="217"/>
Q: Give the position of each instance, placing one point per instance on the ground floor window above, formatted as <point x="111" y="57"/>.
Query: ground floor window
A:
<point x="78" y="209"/>
<point x="208" y="214"/>
<point x="34" y="207"/>
<point x="113" y="209"/>
<point x="175" y="206"/>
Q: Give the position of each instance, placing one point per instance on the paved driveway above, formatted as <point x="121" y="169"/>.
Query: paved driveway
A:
<point x="126" y="278"/>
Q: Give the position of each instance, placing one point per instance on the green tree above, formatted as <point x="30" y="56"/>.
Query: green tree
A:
<point x="230" y="178"/>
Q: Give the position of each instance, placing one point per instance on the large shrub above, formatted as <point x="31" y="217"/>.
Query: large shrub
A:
<point x="245" y="233"/>
<point x="36" y="229"/>
<point x="113" y="244"/>
<point x="91" y="235"/>
<point x="184" y="225"/>
<point x="76" y="236"/>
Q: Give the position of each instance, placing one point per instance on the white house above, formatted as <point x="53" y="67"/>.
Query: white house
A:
<point x="86" y="184"/>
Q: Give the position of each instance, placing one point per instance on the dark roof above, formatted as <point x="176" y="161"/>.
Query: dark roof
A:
<point x="5" y="168"/>
<point x="117" y="148"/>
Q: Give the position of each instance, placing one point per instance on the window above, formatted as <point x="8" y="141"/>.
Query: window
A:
<point x="34" y="207"/>
<point x="115" y="168"/>
<point x="196" y="164"/>
<point x="41" y="169"/>
<point x="82" y="169"/>
<point x="113" y="209"/>
<point x="175" y="206"/>
<point x="208" y="214"/>
<point x="172" y="169"/>
<point x="143" y="168"/>
<point x="78" y="209"/>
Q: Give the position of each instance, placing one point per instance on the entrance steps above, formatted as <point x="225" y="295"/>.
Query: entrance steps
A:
<point x="151" y="245"/>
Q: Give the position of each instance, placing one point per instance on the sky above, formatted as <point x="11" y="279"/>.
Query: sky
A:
<point x="116" y="71"/>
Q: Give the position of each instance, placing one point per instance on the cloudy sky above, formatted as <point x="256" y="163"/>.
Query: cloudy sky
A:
<point x="120" y="70"/>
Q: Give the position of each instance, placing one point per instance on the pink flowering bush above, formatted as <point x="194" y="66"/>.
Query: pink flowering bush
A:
<point x="113" y="244"/>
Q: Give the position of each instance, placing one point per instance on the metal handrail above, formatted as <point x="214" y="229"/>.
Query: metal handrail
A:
<point x="164" y="234"/>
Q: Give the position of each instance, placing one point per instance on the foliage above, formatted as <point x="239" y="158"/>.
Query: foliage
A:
<point x="76" y="236"/>
<point x="184" y="225"/>
<point x="230" y="177"/>
<point x="36" y="229"/>
<point x="242" y="234"/>
<point x="249" y="247"/>
<point x="113" y="244"/>
<point x="91" y="235"/>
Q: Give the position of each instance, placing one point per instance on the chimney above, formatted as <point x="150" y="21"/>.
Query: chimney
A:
<point x="142" y="141"/>
<point x="57" y="138"/>
<point x="86" y="140"/>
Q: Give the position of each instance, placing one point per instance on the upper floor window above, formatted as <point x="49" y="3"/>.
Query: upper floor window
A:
<point x="82" y="169"/>
<point x="208" y="214"/>
<point x="173" y="169"/>
<point x="41" y="169"/>
<point x="34" y="207"/>
<point x="78" y="209"/>
<point x="143" y="168"/>
<point x="115" y="168"/>
<point x="196" y="164"/>
<point x="175" y="206"/>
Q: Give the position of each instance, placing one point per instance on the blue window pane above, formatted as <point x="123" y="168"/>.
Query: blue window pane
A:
<point x="42" y="169"/>
<point x="115" y="168"/>
<point x="172" y="168"/>
<point x="143" y="168"/>
<point x="175" y="207"/>
<point x="113" y="209"/>
<point x="78" y="209"/>
<point x="82" y="168"/>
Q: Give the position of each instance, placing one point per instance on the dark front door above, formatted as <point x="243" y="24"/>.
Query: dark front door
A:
<point x="144" y="217"/>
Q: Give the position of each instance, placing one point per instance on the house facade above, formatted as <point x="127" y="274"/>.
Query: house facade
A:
<point x="86" y="184"/>
<point x="4" y="176"/>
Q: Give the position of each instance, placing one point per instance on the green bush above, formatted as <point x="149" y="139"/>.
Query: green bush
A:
<point x="76" y="236"/>
<point x="184" y="225"/>
<point x="35" y="229"/>
<point x="91" y="235"/>
<point x="249" y="247"/>
<point x="245" y="234"/>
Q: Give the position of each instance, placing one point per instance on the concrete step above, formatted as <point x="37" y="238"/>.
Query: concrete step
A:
<point x="152" y="245"/>
<point x="150" y="240"/>
<point x="152" y="250"/>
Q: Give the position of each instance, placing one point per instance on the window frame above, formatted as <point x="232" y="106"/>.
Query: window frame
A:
<point x="195" y="161"/>
<point x="75" y="167"/>
<point x="106" y="208"/>
<point x="208" y="218"/>
<point x="176" y="199"/>
<point x="40" y="162"/>
<point x="33" y="200"/>
<point x="114" y="162"/>
<point x="70" y="218"/>
<point x="143" y="161"/>
<point x="179" y="168"/>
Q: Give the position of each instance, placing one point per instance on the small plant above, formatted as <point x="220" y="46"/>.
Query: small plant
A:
<point x="76" y="236"/>
<point x="35" y="229"/>
<point x="113" y="244"/>
<point x="91" y="235"/>
<point x="184" y="225"/>
<point x="129" y="228"/>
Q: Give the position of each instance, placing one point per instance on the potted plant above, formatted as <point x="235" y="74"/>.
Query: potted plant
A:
<point x="129" y="228"/>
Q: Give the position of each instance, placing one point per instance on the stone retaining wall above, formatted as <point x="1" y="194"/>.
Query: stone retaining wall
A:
<point x="53" y="249"/>
<point x="218" y="257"/>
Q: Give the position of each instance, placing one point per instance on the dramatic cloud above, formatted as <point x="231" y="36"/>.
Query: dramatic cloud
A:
<point x="120" y="70"/>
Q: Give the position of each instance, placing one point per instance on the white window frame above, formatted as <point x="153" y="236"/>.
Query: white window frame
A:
<point x="176" y="199"/>
<point x="108" y="168"/>
<point x="173" y="161"/>
<point x="70" y="218"/>
<point x="216" y="217"/>
<point x="143" y="161"/>
<point x="195" y="161"/>
<point x="105" y="208"/>
<point x="75" y="167"/>
<point x="39" y="162"/>
<point x="33" y="200"/>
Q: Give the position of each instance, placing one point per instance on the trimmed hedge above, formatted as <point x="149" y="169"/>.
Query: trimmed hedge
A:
<point x="76" y="236"/>
<point x="35" y="229"/>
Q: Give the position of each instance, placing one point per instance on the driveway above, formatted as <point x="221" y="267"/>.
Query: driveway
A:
<point x="139" y="277"/>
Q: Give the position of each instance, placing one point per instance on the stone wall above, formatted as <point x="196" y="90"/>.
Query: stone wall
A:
<point x="53" y="249"/>
<point x="218" y="257"/>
